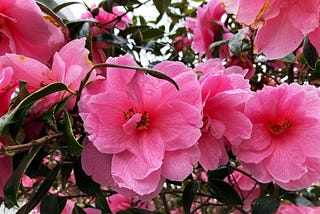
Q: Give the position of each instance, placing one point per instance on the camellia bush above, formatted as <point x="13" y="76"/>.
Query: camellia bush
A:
<point x="212" y="107"/>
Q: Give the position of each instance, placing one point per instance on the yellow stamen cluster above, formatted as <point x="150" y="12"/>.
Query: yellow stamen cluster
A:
<point x="279" y="127"/>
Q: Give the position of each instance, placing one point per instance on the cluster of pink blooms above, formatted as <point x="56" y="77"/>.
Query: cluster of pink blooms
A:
<point x="142" y="130"/>
<point x="297" y="19"/>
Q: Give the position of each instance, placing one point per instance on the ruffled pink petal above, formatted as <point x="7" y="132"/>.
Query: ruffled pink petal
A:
<point x="259" y="172"/>
<point x="217" y="128"/>
<point x="274" y="42"/>
<point x="126" y="169"/>
<point x="300" y="11"/>
<point x="307" y="179"/>
<point x="285" y="163"/>
<point x="26" y="69"/>
<point x="179" y="125"/>
<point x="249" y="10"/>
<point x="214" y="84"/>
<point x="101" y="173"/>
<point x="257" y="148"/>
<point x="118" y="78"/>
<point x="212" y="150"/>
<point x="105" y="129"/>
<point x="41" y="42"/>
<point x="178" y="164"/>
<point x="189" y="88"/>
<point x="144" y="92"/>
<point x="236" y="123"/>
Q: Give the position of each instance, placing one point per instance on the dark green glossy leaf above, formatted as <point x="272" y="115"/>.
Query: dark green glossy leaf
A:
<point x="126" y="2"/>
<point x="220" y="173"/>
<point x="18" y="114"/>
<point x="63" y="5"/>
<point x="162" y="6"/>
<point x="110" y="38"/>
<point x="265" y="205"/>
<point x="78" y="210"/>
<point x="55" y="17"/>
<point x="12" y="186"/>
<point x="41" y="192"/>
<point x="310" y="53"/>
<point x="101" y="203"/>
<point x="298" y="200"/>
<point x="107" y="5"/>
<point x="84" y="182"/>
<point x="152" y="33"/>
<point x="223" y="192"/>
<point x="160" y="75"/>
<point x="189" y="194"/>
<point x="52" y="204"/>
<point x="66" y="170"/>
<point x="74" y="147"/>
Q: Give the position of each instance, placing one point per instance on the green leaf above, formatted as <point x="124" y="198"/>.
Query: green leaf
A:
<point x="63" y="5"/>
<point x="216" y="44"/>
<point x="291" y="58"/>
<point x="78" y="210"/>
<point x="236" y="42"/>
<point x="18" y="114"/>
<point x="66" y="170"/>
<point x="162" y="6"/>
<point x="152" y="33"/>
<point x="152" y="72"/>
<point x="221" y="173"/>
<point x="52" y="204"/>
<point x="223" y="192"/>
<point x="126" y="2"/>
<point x="298" y="200"/>
<point x="265" y="205"/>
<point x="101" y="203"/>
<point x="41" y="192"/>
<point x="110" y="38"/>
<point x="107" y="5"/>
<point x="73" y="146"/>
<point x="84" y="182"/>
<point x="160" y="75"/>
<point x="189" y="194"/>
<point x="310" y="53"/>
<point x="13" y="183"/>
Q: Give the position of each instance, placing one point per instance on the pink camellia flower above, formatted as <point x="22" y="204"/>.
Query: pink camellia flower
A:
<point x="282" y="147"/>
<point x="17" y="17"/>
<point x="223" y="92"/>
<point x="291" y="208"/>
<point x="118" y="202"/>
<point x="142" y="130"/>
<point x="66" y="68"/>
<point x="205" y="27"/>
<point x="109" y="20"/>
<point x="297" y="19"/>
<point x="181" y="43"/>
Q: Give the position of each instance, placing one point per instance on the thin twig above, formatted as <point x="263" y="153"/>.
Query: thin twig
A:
<point x="23" y="147"/>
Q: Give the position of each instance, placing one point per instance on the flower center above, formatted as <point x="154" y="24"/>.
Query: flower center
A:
<point x="279" y="127"/>
<point x="144" y="122"/>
